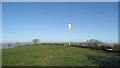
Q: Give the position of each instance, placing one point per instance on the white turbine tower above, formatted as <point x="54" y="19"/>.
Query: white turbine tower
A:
<point x="69" y="27"/>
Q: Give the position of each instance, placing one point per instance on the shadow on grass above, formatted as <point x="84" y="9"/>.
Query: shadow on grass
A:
<point x="104" y="61"/>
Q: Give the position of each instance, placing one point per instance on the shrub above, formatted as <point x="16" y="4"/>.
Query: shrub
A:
<point x="116" y="47"/>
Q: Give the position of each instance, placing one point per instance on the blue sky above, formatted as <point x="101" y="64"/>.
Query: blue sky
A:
<point x="47" y="21"/>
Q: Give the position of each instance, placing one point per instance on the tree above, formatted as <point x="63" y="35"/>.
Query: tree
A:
<point x="9" y="45"/>
<point x="94" y="42"/>
<point x="18" y="43"/>
<point x="36" y="41"/>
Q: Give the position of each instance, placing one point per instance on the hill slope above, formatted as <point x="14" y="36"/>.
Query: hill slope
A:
<point x="44" y="55"/>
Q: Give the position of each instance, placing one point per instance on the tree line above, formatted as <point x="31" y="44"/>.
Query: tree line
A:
<point x="92" y="43"/>
<point x="35" y="41"/>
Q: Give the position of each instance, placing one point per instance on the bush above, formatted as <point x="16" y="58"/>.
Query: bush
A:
<point x="116" y="47"/>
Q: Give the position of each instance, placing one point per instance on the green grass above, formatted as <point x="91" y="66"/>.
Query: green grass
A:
<point x="52" y="56"/>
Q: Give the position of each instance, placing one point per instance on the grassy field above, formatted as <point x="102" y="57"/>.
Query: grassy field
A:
<point x="59" y="55"/>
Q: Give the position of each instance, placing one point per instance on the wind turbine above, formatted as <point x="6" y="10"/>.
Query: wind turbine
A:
<point x="69" y="27"/>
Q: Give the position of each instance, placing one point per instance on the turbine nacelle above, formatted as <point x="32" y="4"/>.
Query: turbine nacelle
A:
<point x="69" y="26"/>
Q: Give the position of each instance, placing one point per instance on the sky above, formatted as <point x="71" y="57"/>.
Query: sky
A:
<point x="60" y="0"/>
<point x="47" y="21"/>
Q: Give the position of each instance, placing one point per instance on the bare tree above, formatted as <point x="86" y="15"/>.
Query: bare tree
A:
<point x="18" y="43"/>
<point x="93" y="42"/>
<point x="9" y="45"/>
<point x="36" y="41"/>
